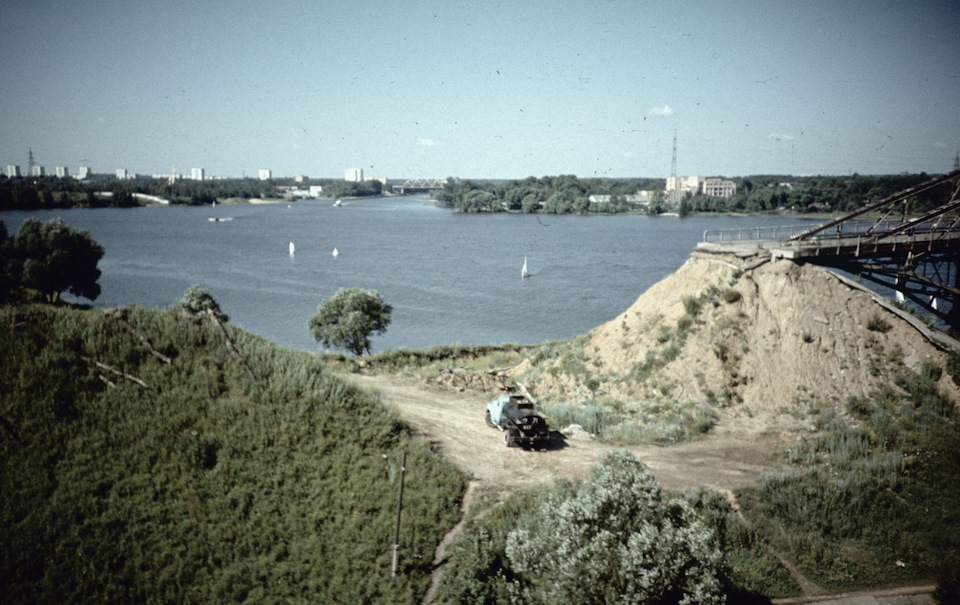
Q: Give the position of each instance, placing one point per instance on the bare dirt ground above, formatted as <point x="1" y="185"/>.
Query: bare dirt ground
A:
<point x="453" y="421"/>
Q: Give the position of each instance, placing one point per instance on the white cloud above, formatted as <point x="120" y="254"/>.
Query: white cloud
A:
<point x="664" y="112"/>
<point x="780" y="137"/>
<point x="427" y="142"/>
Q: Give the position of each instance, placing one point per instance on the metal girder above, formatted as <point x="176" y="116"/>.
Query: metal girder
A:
<point x="917" y="257"/>
<point x="888" y="203"/>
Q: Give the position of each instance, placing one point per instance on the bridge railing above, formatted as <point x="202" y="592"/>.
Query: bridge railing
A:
<point x="782" y="232"/>
<point x="751" y="234"/>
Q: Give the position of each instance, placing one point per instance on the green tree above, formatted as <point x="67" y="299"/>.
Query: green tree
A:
<point x="613" y="539"/>
<point x="51" y="258"/>
<point x="558" y="203"/>
<point x="198" y="301"/>
<point x="349" y="318"/>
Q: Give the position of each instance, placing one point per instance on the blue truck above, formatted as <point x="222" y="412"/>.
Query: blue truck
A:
<point x="520" y="423"/>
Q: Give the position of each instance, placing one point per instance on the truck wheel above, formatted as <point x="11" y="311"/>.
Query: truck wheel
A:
<point x="509" y="440"/>
<point x="489" y="422"/>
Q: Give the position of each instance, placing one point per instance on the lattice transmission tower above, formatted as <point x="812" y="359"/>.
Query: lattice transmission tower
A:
<point x="674" y="193"/>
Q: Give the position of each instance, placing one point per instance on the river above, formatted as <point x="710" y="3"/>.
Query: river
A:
<point x="451" y="278"/>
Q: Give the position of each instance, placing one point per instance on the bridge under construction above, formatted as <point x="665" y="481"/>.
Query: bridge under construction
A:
<point x="915" y="254"/>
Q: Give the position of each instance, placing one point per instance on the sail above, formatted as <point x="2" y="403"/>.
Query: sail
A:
<point x="291" y="248"/>
<point x="523" y="272"/>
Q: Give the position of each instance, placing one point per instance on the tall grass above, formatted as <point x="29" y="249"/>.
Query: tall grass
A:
<point x="644" y="422"/>
<point x="873" y="502"/>
<point x="258" y="476"/>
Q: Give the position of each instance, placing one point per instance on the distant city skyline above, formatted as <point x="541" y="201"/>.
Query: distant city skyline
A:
<point x="489" y="91"/>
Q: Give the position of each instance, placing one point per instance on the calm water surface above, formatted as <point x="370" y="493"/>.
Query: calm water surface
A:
<point x="451" y="278"/>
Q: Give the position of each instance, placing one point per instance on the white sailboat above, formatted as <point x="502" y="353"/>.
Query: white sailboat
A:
<point x="291" y="248"/>
<point x="523" y="272"/>
<point x="336" y="253"/>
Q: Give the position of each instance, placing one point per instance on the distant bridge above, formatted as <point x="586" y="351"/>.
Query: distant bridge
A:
<point x="916" y="257"/>
<point x="419" y="186"/>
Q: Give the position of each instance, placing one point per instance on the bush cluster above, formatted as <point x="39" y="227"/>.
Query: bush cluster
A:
<point x="612" y="539"/>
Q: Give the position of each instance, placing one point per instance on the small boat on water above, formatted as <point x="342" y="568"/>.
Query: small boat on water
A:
<point x="336" y="253"/>
<point x="338" y="203"/>
<point x="523" y="272"/>
<point x="292" y="247"/>
<point x="216" y="219"/>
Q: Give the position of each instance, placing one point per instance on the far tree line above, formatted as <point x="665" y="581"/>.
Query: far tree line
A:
<point x="764" y="193"/>
<point x="60" y="193"/>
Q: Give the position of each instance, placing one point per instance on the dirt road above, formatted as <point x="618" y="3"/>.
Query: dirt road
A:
<point x="723" y="460"/>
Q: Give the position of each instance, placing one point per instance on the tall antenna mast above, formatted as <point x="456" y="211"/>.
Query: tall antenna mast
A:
<point x="675" y="193"/>
<point x="30" y="162"/>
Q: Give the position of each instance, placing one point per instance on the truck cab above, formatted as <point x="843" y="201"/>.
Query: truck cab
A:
<point x="521" y="424"/>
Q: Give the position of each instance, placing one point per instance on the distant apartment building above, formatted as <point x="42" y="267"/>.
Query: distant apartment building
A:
<point x="12" y="171"/>
<point x="83" y="173"/>
<point x="266" y="174"/>
<point x="718" y="187"/>
<point x="37" y="171"/>
<point x="301" y="178"/>
<point x="196" y="174"/>
<point x="121" y="174"/>
<point x="61" y="172"/>
<point x="683" y="185"/>
<point x="354" y="175"/>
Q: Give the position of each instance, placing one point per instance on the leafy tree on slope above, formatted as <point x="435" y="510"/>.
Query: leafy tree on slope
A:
<point x="349" y="318"/>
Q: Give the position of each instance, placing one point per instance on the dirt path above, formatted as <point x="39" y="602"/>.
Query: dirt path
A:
<point x="723" y="460"/>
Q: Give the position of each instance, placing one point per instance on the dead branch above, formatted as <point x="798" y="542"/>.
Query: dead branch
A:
<point x="230" y="345"/>
<point x="139" y="335"/>
<point x="113" y="370"/>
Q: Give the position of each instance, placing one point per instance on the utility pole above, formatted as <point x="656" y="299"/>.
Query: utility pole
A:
<point x="396" y="527"/>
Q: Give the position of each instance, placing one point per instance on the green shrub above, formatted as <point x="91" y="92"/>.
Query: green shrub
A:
<point x="878" y="324"/>
<point x="692" y="305"/>
<point x="598" y="541"/>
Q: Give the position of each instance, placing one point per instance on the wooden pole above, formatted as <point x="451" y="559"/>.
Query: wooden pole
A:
<point x="396" y="527"/>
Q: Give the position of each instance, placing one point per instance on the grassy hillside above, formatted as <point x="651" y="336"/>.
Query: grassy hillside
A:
<point x="239" y="471"/>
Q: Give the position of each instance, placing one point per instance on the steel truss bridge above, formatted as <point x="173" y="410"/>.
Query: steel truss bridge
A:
<point x="915" y="256"/>
<point x="419" y="186"/>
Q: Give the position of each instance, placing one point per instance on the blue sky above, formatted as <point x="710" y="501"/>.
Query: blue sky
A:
<point x="482" y="89"/>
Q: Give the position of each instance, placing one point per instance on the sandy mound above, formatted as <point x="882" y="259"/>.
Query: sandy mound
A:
<point x="769" y="345"/>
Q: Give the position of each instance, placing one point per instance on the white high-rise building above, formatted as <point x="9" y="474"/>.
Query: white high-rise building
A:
<point x="266" y="174"/>
<point x="12" y="170"/>
<point x="83" y="173"/>
<point x="121" y="174"/>
<point x="62" y="172"/>
<point x="354" y="175"/>
<point x="36" y="170"/>
<point x="196" y="174"/>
